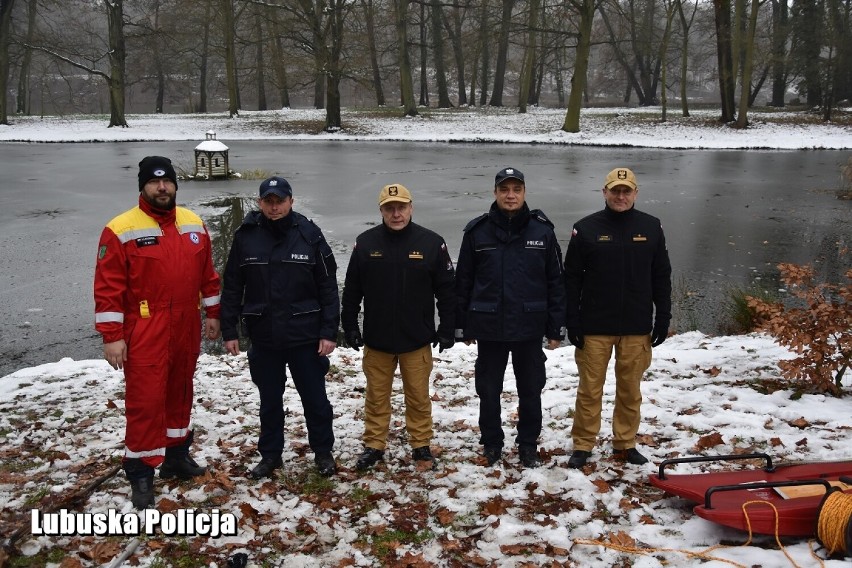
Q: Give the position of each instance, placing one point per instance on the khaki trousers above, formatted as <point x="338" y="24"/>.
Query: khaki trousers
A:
<point x="415" y="368"/>
<point x="632" y="359"/>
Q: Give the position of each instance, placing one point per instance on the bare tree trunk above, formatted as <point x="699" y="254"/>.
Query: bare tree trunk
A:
<point x="279" y="63"/>
<point x="684" y="55"/>
<point x="664" y="48"/>
<point x="370" y="19"/>
<point x="424" y="62"/>
<point x="117" y="59"/>
<point x="454" y="29"/>
<point x="5" y="28"/>
<point x="23" y="98"/>
<point x="259" y="61"/>
<point x="581" y="66"/>
<point x="438" y="49"/>
<point x="160" y="99"/>
<point x="406" y="85"/>
<point x="502" y="54"/>
<point x="336" y="14"/>
<point x="722" y="12"/>
<point x="780" y="34"/>
<point x="230" y="57"/>
<point x="745" y="88"/>
<point x="529" y="56"/>
<point x="205" y="55"/>
<point x="485" y="52"/>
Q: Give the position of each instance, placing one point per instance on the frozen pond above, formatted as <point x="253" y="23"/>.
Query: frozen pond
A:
<point x="730" y="216"/>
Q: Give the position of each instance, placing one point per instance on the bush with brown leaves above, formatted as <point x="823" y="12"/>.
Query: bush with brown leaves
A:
<point x="818" y="329"/>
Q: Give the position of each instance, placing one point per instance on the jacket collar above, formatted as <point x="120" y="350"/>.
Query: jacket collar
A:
<point x="509" y="225"/>
<point x="159" y="215"/>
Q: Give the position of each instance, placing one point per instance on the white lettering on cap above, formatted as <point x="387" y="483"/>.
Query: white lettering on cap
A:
<point x="273" y="183"/>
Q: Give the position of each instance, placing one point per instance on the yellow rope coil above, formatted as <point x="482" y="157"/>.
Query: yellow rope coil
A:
<point x="833" y="523"/>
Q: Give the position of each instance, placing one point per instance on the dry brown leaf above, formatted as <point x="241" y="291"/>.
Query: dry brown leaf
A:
<point x="166" y="505"/>
<point x="710" y="441"/>
<point x="102" y="552"/>
<point x="799" y="423"/>
<point x="601" y="485"/>
<point x="495" y="506"/>
<point x="775" y="442"/>
<point x="445" y="516"/>
<point x="67" y="562"/>
<point x="713" y="371"/>
<point x="621" y="538"/>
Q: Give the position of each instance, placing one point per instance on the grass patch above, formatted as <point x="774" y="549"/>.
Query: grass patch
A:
<point x="738" y="316"/>
<point x="387" y="542"/>
<point x="36" y="497"/>
<point x="43" y="558"/>
<point x="255" y="174"/>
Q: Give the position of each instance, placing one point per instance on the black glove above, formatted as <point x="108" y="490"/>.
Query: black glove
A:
<point x="660" y="333"/>
<point x="575" y="336"/>
<point x="443" y="343"/>
<point x="353" y="339"/>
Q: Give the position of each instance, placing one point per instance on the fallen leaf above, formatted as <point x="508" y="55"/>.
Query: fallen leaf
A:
<point x="799" y="423"/>
<point x="710" y="441"/>
<point x="621" y="538"/>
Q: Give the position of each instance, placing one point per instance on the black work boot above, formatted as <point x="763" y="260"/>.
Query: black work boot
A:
<point x="141" y="477"/>
<point x="368" y="458"/>
<point x="179" y="464"/>
<point x="529" y="456"/>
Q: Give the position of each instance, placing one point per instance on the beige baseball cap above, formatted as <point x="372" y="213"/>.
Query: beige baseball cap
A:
<point x="620" y="176"/>
<point x="394" y="192"/>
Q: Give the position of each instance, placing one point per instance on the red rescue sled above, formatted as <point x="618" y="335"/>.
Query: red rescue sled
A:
<point x="794" y="490"/>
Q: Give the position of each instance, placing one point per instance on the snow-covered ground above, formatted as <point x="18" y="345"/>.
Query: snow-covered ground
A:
<point x="599" y="127"/>
<point x="63" y="421"/>
<point x="61" y="424"/>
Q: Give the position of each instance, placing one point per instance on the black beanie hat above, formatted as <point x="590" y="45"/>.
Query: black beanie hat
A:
<point x="152" y="167"/>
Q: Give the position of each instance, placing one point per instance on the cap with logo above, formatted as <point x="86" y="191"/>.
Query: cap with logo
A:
<point x="394" y="192"/>
<point x="508" y="173"/>
<point x="153" y="167"/>
<point x="620" y="176"/>
<point x="276" y="186"/>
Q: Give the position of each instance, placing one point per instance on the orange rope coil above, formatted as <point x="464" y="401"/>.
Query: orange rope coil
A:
<point x="834" y="523"/>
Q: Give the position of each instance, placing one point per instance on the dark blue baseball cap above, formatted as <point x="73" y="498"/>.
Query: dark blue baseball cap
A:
<point x="276" y="186"/>
<point x="508" y="173"/>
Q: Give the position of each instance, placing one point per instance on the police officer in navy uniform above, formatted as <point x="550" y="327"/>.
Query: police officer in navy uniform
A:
<point x="400" y="270"/>
<point x="618" y="281"/>
<point x="511" y="294"/>
<point x="281" y="281"/>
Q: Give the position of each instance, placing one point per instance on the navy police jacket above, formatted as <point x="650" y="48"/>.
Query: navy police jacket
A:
<point x="281" y="281"/>
<point x="509" y="281"/>
<point x="617" y="273"/>
<point x="399" y="275"/>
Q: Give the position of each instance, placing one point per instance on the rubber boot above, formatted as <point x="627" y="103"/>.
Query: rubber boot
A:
<point x="179" y="464"/>
<point x="141" y="478"/>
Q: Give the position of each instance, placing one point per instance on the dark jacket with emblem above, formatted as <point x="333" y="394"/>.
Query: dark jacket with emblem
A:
<point x="617" y="272"/>
<point x="399" y="275"/>
<point x="509" y="280"/>
<point x="281" y="281"/>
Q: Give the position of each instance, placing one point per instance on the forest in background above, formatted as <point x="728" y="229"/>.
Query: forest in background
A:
<point x="119" y="56"/>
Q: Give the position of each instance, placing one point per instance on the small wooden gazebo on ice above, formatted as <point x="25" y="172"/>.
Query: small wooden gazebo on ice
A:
<point x="211" y="158"/>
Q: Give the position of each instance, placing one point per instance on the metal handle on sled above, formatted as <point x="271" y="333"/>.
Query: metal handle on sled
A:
<point x="729" y="457"/>
<point x="762" y="485"/>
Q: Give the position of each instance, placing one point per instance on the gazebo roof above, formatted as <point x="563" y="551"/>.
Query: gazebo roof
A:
<point x="211" y="146"/>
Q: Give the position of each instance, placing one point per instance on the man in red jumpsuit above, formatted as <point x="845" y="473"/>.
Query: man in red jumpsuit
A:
<point x="154" y="272"/>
